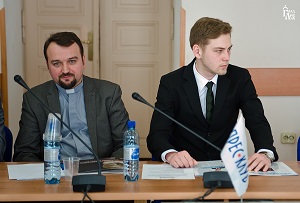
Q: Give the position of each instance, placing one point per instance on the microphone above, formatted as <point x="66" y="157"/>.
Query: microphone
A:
<point x="87" y="183"/>
<point x="210" y="179"/>
<point x="138" y="97"/>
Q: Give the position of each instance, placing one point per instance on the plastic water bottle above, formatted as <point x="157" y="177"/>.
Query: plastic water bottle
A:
<point x="52" y="139"/>
<point x="131" y="152"/>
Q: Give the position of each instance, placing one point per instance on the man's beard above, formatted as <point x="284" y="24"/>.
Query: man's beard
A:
<point x="69" y="85"/>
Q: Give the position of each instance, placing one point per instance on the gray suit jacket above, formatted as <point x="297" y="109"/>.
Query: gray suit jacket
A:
<point x="105" y="113"/>
<point x="2" y="134"/>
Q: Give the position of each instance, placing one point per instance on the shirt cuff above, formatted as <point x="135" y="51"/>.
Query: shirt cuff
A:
<point x="268" y="151"/>
<point x="163" y="155"/>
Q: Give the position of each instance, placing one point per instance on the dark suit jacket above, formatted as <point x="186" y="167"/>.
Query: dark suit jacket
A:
<point x="2" y="134"/>
<point x="178" y="97"/>
<point x="105" y="112"/>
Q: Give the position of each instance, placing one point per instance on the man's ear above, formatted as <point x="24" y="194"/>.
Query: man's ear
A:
<point x="197" y="51"/>
<point x="84" y="61"/>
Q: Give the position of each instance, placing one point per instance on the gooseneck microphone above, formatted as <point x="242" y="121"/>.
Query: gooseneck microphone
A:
<point x="138" y="97"/>
<point x="211" y="179"/>
<point x="86" y="183"/>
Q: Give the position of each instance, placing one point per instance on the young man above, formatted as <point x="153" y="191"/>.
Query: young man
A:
<point x="92" y="108"/>
<point x="182" y="95"/>
<point x="2" y="134"/>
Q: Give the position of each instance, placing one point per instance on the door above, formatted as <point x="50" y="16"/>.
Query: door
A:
<point x="43" y="17"/>
<point x="136" y="50"/>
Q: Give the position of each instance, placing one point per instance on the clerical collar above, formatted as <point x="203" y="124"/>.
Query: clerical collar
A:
<point x="70" y="91"/>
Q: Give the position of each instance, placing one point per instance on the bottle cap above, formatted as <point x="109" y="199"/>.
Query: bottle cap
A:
<point x="131" y="124"/>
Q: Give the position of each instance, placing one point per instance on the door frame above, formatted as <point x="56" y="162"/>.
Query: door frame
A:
<point x="3" y="72"/>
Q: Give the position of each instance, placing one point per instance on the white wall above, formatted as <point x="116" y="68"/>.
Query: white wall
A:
<point x="261" y="38"/>
<point x="176" y="40"/>
<point x="14" y="61"/>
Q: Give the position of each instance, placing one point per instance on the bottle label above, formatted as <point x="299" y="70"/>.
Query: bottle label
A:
<point x="131" y="153"/>
<point x="55" y="137"/>
<point x="51" y="154"/>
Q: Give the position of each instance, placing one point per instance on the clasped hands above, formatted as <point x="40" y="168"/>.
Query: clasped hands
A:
<point x="256" y="162"/>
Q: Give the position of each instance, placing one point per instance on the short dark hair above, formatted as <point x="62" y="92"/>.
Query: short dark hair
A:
<point x="64" y="39"/>
<point x="208" y="28"/>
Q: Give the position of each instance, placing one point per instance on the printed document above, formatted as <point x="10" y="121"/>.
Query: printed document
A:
<point x="166" y="171"/>
<point x="277" y="169"/>
<point x="206" y="166"/>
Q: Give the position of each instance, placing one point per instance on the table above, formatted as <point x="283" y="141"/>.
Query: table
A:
<point x="285" y="188"/>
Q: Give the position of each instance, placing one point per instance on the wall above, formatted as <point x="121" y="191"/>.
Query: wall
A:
<point x="176" y="35"/>
<point x="14" y="61"/>
<point x="262" y="38"/>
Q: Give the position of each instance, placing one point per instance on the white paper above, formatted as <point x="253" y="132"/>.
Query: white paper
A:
<point x="210" y="164"/>
<point x="277" y="169"/>
<point x="166" y="171"/>
<point x="206" y="166"/>
<point x="27" y="171"/>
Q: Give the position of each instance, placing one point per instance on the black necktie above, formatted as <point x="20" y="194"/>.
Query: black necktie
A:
<point x="209" y="102"/>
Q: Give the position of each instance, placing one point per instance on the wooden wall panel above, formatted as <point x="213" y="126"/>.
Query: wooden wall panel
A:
<point x="3" y="78"/>
<point x="276" y="81"/>
<point x="182" y="36"/>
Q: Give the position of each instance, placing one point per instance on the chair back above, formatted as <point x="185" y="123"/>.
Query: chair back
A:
<point x="9" y="145"/>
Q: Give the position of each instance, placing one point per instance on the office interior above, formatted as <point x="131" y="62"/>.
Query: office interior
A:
<point x="263" y="38"/>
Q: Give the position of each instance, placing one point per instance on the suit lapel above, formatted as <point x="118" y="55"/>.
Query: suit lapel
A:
<point x="191" y="90"/>
<point x="90" y="109"/>
<point x="53" y="99"/>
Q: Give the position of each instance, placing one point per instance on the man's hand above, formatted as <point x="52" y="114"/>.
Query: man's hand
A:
<point x="258" y="161"/>
<point x="180" y="159"/>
